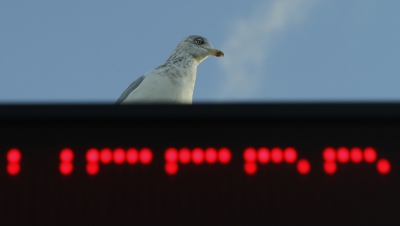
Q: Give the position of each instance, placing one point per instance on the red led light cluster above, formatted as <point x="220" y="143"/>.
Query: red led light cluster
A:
<point x="13" y="158"/>
<point x="275" y="155"/>
<point x="118" y="156"/>
<point x="197" y="156"/>
<point x="354" y="155"/>
<point x="66" y="165"/>
<point x="252" y="158"/>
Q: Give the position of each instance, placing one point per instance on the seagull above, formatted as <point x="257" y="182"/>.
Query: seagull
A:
<point x="173" y="82"/>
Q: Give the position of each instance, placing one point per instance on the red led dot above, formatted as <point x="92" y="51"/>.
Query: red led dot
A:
<point x="13" y="155"/>
<point x="197" y="155"/>
<point x="250" y="168"/>
<point x="119" y="155"/>
<point x="171" y="155"/>
<point x="276" y="155"/>
<point x="329" y="154"/>
<point x="105" y="155"/>
<point x="290" y="155"/>
<point x="92" y="155"/>
<point x="263" y="155"/>
<point x="184" y="155"/>
<point x="224" y="155"/>
<point x="356" y="155"/>
<point x="383" y="166"/>
<point x="66" y="155"/>
<point x="250" y="155"/>
<point x="92" y="168"/>
<point x="66" y="168"/>
<point x="369" y="155"/>
<point x="343" y="155"/>
<point x="210" y="155"/>
<point x="132" y="156"/>
<point x="330" y="167"/>
<point x="13" y="168"/>
<point x="145" y="156"/>
<point x="303" y="166"/>
<point x="171" y="168"/>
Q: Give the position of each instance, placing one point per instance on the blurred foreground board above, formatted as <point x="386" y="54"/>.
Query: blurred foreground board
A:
<point x="208" y="164"/>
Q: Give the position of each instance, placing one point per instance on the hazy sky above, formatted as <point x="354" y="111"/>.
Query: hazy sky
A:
<point x="275" y="50"/>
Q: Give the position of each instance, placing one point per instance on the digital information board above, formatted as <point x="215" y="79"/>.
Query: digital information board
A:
<point x="200" y="164"/>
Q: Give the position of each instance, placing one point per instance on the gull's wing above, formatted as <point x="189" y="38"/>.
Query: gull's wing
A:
<point x="130" y="88"/>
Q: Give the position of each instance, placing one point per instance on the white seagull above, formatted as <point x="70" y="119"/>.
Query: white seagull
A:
<point x="172" y="82"/>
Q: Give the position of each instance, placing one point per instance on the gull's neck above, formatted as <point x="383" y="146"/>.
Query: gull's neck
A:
<point x="182" y="65"/>
<point x="182" y="68"/>
<point x="182" y="59"/>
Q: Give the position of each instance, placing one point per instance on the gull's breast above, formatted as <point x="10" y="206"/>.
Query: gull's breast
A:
<point x="158" y="87"/>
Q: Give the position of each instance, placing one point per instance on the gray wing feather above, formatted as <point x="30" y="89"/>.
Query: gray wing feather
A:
<point x="130" y="88"/>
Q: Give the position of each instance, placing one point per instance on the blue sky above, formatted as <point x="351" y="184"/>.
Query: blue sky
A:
<point x="275" y="50"/>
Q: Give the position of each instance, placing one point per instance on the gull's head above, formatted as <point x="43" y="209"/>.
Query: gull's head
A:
<point x="198" y="47"/>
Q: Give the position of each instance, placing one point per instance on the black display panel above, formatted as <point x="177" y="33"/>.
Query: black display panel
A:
<point x="201" y="164"/>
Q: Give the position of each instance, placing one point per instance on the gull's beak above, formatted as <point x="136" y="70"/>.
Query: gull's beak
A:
<point x="216" y="52"/>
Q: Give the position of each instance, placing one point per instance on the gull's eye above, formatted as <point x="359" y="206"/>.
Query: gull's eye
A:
<point x="199" y="41"/>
